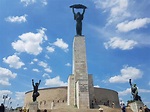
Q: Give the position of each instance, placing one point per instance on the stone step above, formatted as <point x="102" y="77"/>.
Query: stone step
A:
<point x="72" y="109"/>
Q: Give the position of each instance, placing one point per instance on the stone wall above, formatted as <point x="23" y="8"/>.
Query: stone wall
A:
<point x="59" y="95"/>
<point x="106" y="97"/>
<point x="47" y="96"/>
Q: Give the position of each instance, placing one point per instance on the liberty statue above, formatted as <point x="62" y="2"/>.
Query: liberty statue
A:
<point x="78" y="17"/>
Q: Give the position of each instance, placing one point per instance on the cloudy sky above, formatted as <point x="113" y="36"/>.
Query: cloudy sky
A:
<point x="36" y="38"/>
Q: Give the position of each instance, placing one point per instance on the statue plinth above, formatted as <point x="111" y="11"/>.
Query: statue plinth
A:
<point x="136" y="105"/>
<point x="33" y="107"/>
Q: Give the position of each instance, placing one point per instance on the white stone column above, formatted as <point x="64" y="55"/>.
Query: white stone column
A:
<point x="71" y="90"/>
<point x="80" y="73"/>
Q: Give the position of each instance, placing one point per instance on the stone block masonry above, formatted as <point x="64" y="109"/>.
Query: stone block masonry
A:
<point x="78" y="86"/>
<point x="135" y="106"/>
<point x="33" y="107"/>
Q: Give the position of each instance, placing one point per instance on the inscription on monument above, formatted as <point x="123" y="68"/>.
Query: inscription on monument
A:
<point x="83" y="88"/>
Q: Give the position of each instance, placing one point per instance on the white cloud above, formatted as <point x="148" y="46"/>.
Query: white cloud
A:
<point x="46" y="75"/>
<point x="20" y="95"/>
<point x="97" y="86"/>
<point x="44" y="2"/>
<point x="43" y="64"/>
<point x="46" y="56"/>
<point x="50" y="49"/>
<point x="104" y="4"/>
<point x="25" y="68"/>
<point x="68" y="64"/>
<point x="53" y="82"/>
<point x="13" y="61"/>
<point x="120" y="9"/>
<point x="5" y="75"/>
<point x="5" y="92"/>
<point x="5" y="81"/>
<point x="48" y="70"/>
<point x="6" y="72"/>
<point x="126" y="74"/>
<point x="31" y="62"/>
<point x="128" y="91"/>
<point x="116" y="8"/>
<point x="18" y="19"/>
<point x="35" y="59"/>
<point x="35" y="70"/>
<point x="116" y="42"/>
<point x="29" y="2"/>
<point x="125" y="92"/>
<point x="132" y="25"/>
<point x="30" y="42"/>
<point x="144" y="91"/>
<point x="19" y="99"/>
<point x="61" y="44"/>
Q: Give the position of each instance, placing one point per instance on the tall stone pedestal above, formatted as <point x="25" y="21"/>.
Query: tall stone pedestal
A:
<point x="33" y="107"/>
<point x="136" y="105"/>
<point x="79" y="88"/>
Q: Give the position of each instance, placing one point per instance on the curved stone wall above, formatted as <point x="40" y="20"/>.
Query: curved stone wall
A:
<point x="106" y="97"/>
<point x="47" y="96"/>
<point x="58" y="95"/>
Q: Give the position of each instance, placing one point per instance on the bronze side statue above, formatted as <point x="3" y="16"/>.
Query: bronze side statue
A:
<point x="134" y="91"/>
<point x="78" y="17"/>
<point x="35" y="90"/>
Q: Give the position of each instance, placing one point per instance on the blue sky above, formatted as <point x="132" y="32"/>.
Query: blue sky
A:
<point x="36" y="38"/>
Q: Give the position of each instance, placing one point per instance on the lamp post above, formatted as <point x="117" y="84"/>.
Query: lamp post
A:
<point x="9" y="106"/>
<point x="5" y="97"/>
<point x="8" y="102"/>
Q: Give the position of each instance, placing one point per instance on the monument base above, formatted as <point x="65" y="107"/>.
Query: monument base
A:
<point x="33" y="107"/>
<point x="136" y="105"/>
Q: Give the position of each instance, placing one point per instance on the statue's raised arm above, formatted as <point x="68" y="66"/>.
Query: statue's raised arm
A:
<point x="32" y="82"/>
<point x="83" y="11"/>
<point x="73" y="11"/>
<point x="39" y="82"/>
<point x="130" y="82"/>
